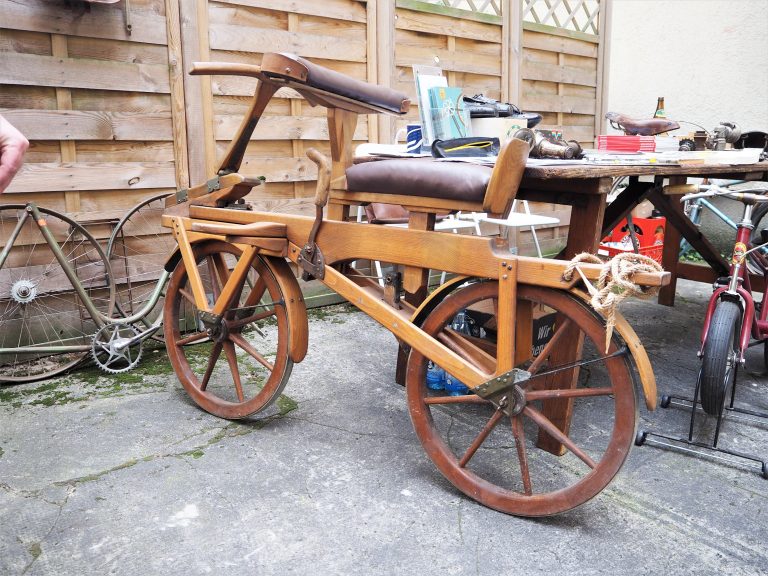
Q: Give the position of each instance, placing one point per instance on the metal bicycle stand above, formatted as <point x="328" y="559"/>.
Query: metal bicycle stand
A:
<point x="702" y="448"/>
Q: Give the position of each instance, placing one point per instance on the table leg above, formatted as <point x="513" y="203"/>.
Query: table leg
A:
<point x="415" y="283"/>
<point x="671" y="252"/>
<point x="588" y="211"/>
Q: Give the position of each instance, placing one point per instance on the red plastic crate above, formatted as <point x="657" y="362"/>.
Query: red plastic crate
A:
<point x="650" y="236"/>
<point x="650" y="251"/>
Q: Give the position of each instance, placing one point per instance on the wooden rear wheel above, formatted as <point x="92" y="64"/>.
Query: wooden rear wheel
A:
<point x="238" y="365"/>
<point x="495" y="455"/>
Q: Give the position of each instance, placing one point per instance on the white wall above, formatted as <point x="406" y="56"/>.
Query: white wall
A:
<point x="708" y="58"/>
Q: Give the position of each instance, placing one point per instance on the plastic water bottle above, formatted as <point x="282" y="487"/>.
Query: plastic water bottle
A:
<point x="460" y="322"/>
<point x="435" y="376"/>
<point x="454" y="387"/>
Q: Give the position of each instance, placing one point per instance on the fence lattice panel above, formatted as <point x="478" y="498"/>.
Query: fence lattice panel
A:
<point x="576" y="15"/>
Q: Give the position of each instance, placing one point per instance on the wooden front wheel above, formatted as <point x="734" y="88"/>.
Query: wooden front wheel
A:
<point x="239" y="365"/>
<point x="493" y="454"/>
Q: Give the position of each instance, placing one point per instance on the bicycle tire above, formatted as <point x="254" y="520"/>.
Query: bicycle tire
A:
<point x="137" y="250"/>
<point x="720" y="355"/>
<point x="39" y="307"/>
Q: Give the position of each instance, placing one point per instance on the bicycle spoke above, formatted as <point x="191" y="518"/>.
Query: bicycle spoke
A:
<point x="245" y="345"/>
<point x="215" y="280"/>
<point x="550" y="346"/>
<point x="215" y="353"/>
<point x="487" y="429"/>
<point x="192" y="338"/>
<point x="466" y="399"/>
<point x="525" y="473"/>
<point x="256" y="294"/>
<point x="468" y="351"/>
<point x="544" y="423"/>
<point x="229" y="351"/>
<point x="568" y="393"/>
<point x="233" y="324"/>
<point x="187" y="296"/>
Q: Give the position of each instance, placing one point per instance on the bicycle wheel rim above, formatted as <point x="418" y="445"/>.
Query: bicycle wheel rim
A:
<point x="39" y="308"/>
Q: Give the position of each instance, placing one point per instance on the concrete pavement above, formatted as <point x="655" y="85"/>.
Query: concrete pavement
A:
<point x="106" y="475"/>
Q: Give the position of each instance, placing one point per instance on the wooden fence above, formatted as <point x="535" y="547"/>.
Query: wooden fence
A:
<point x="113" y="117"/>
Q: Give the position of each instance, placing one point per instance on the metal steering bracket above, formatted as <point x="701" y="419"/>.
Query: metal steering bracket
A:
<point x="311" y="258"/>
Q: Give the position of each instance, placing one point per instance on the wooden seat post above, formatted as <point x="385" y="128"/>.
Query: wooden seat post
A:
<point x="341" y="131"/>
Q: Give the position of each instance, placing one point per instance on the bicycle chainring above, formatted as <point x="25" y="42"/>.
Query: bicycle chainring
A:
<point x="112" y="349"/>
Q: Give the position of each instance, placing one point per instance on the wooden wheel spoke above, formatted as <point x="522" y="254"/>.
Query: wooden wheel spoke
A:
<point x="545" y="424"/>
<point x="215" y="353"/>
<point x="487" y="429"/>
<point x="568" y="393"/>
<point x="522" y="455"/>
<point x="553" y="344"/>
<point x="188" y="296"/>
<point x="257" y="291"/>
<point x="239" y="322"/>
<point x="213" y="273"/>
<point x="465" y="399"/>
<point x="191" y="338"/>
<point x="220" y="265"/>
<point x="229" y="351"/>
<point x="470" y="352"/>
<point x="245" y="345"/>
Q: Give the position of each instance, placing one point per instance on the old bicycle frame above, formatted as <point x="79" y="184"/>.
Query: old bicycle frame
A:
<point x="58" y="297"/>
<point x="732" y="323"/>
<point x="256" y="331"/>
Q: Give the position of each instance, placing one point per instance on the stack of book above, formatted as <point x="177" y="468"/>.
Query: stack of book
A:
<point x="620" y="143"/>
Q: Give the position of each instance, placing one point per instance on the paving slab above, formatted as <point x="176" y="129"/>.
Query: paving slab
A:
<point x="124" y="475"/>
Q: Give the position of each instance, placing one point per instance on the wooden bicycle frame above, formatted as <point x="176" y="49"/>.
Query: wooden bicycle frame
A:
<point x="341" y="242"/>
<point x="417" y="249"/>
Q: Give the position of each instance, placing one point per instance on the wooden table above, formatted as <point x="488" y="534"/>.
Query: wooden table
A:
<point x="585" y="189"/>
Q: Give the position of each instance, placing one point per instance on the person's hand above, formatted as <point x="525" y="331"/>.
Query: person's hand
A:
<point x="13" y="145"/>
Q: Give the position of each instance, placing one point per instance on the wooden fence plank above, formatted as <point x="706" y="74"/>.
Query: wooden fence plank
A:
<point x="284" y="128"/>
<point x="440" y="25"/>
<point x="34" y="70"/>
<point x="561" y="44"/>
<point x="350" y="10"/>
<point x="558" y="103"/>
<point x="280" y="169"/>
<point x="93" y="176"/>
<point x="246" y="39"/>
<point x="81" y="125"/>
<point x="176" y="81"/>
<point x="101" y="21"/>
<point x="555" y="73"/>
<point x="453" y="61"/>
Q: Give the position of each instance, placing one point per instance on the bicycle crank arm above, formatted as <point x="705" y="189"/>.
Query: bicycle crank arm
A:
<point x="140" y="337"/>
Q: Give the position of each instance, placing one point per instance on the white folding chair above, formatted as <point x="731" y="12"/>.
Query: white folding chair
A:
<point x="516" y="219"/>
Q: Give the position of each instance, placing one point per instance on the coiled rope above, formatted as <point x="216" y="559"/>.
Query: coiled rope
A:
<point x="614" y="283"/>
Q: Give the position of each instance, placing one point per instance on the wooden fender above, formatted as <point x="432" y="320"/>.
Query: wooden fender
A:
<point x="636" y="349"/>
<point x="622" y="327"/>
<point x="298" y="324"/>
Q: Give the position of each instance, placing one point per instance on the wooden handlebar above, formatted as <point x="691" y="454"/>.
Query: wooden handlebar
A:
<point x="323" y="176"/>
<point x="226" y="68"/>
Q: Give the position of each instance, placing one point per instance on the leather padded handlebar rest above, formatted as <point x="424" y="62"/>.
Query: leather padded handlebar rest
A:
<point x="298" y="69"/>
